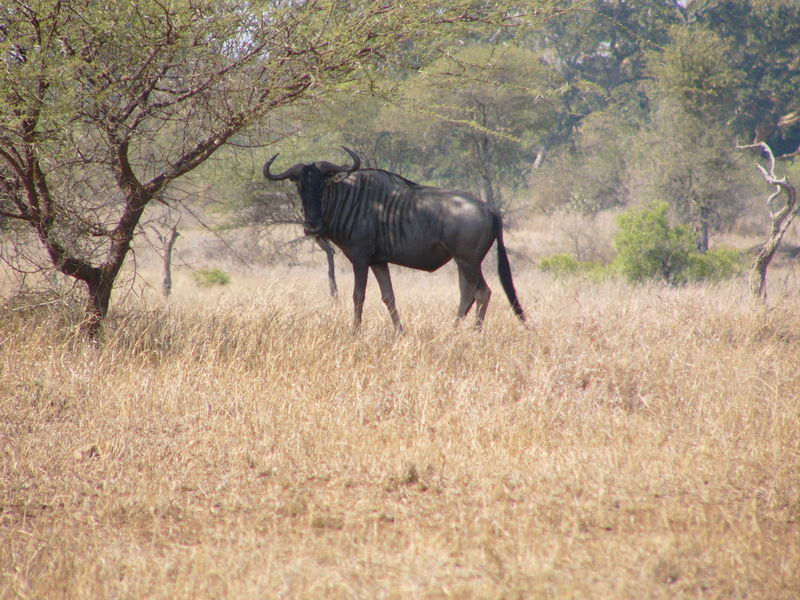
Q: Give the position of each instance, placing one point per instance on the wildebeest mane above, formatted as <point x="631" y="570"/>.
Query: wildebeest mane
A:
<point x="395" y="178"/>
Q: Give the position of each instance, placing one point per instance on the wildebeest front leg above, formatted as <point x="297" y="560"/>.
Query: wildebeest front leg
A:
<point x="360" y="273"/>
<point x="328" y="249"/>
<point x="381" y="272"/>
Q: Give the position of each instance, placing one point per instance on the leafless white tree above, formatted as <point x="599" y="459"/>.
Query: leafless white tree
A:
<point x="782" y="207"/>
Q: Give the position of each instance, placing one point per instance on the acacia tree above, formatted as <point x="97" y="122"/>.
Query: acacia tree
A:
<point x="688" y="141"/>
<point x="103" y="105"/>
<point x="762" y="36"/>
<point x="482" y="112"/>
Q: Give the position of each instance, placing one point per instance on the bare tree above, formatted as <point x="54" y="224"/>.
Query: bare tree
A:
<point x="167" y="241"/>
<point x="781" y="213"/>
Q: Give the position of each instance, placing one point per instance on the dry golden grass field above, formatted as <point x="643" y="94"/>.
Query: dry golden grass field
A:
<point x="629" y="442"/>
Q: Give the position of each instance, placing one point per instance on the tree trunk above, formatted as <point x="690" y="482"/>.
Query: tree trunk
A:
<point x="101" y="282"/>
<point x="482" y="146"/>
<point x="781" y="216"/>
<point x="537" y="162"/>
<point x="99" y="289"/>
<point x="167" y="243"/>
<point x="701" y="223"/>
<point x="758" y="274"/>
<point x="703" y="234"/>
<point x="488" y="191"/>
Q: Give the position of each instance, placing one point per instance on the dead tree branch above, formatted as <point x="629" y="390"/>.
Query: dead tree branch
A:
<point x="781" y="215"/>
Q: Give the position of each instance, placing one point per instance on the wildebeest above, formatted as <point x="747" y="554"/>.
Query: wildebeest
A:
<point x="376" y="217"/>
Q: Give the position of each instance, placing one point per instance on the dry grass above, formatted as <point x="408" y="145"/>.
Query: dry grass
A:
<point x="631" y="443"/>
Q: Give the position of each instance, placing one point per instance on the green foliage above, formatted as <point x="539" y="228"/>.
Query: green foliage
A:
<point x="592" y="176"/>
<point x="478" y="117"/>
<point x="599" y="50"/>
<point x="565" y="265"/>
<point x="698" y="75"/>
<point x="716" y="264"/>
<point x="560" y="264"/>
<point x="762" y="36"/>
<point x="472" y="119"/>
<point x="210" y="277"/>
<point x="370" y="125"/>
<point x="685" y="154"/>
<point x="689" y="163"/>
<point x="696" y="71"/>
<point x="648" y="247"/>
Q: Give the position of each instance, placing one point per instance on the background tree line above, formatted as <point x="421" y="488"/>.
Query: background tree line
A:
<point x="613" y="102"/>
<point x="579" y="105"/>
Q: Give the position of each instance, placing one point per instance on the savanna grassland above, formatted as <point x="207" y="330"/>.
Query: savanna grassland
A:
<point x="629" y="442"/>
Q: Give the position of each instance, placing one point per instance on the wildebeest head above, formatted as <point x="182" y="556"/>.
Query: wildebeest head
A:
<point x="310" y="180"/>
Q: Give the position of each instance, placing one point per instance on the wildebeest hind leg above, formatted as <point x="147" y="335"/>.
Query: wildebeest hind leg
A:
<point x="474" y="290"/>
<point x="467" y="284"/>
<point x="482" y="295"/>
<point x="381" y="271"/>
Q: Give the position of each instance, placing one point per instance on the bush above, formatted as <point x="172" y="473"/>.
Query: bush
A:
<point x="649" y="248"/>
<point x="210" y="277"/>
<point x="562" y="265"/>
<point x="715" y="265"/>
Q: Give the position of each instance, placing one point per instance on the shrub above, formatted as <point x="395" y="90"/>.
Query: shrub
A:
<point x="562" y="265"/>
<point x="649" y="248"/>
<point x="210" y="277"/>
<point x="715" y="265"/>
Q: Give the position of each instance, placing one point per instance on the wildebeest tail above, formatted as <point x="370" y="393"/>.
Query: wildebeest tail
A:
<point x="504" y="268"/>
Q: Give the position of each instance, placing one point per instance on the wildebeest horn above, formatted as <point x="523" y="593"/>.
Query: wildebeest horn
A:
<point x="290" y="172"/>
<point x="327" y="167"/>
<point x="356" y="159"/>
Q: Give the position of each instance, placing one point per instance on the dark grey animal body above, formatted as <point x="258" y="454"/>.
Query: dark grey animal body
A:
<point x="376" y="218"/>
